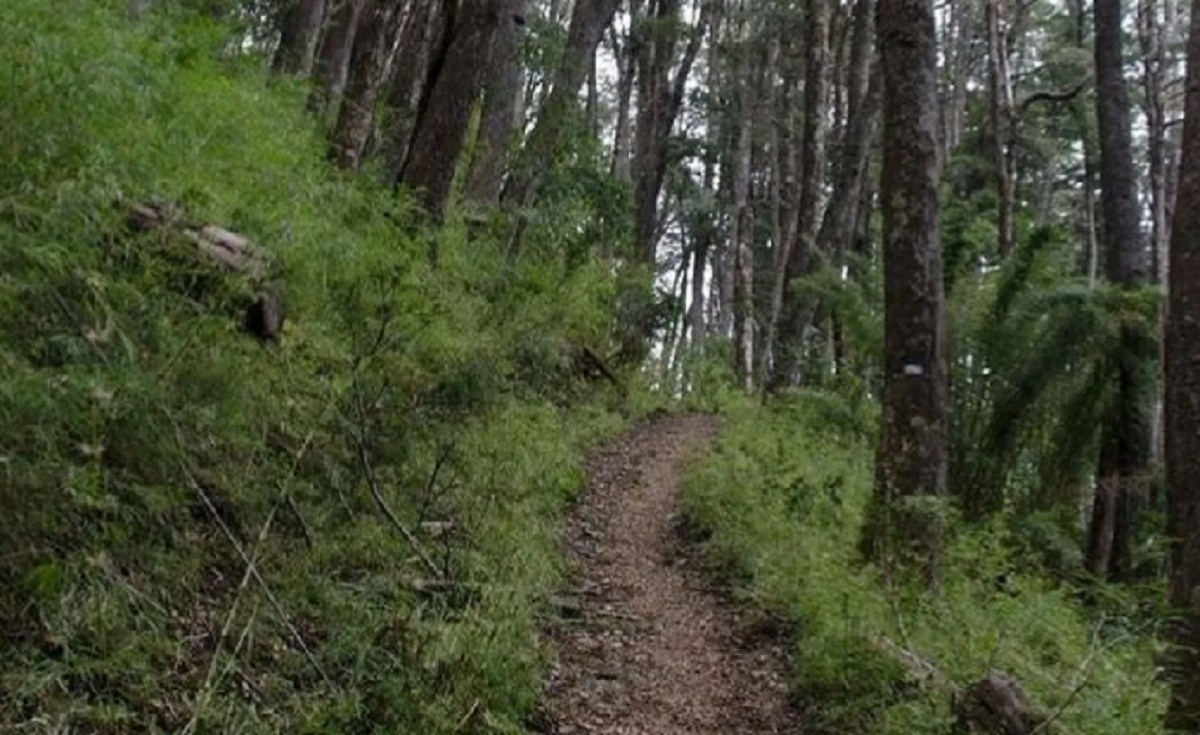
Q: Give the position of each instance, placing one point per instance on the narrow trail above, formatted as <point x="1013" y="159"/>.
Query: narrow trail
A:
<point x="647" y="648"/>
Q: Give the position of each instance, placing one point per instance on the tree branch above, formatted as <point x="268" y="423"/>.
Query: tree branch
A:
<point x="1057" y="97"/>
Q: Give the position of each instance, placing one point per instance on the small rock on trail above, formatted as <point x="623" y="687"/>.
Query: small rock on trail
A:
<point x="645" y="648"/>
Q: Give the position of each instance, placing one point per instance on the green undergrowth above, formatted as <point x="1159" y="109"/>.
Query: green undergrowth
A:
<point x="780" y="502"/>
<point x="394" y="465"/>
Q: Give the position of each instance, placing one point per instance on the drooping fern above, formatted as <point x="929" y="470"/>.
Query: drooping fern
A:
<point x="1038" y="363"/>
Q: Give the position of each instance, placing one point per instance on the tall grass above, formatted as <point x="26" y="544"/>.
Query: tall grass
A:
<point x="144" y="437"/>
<point x="781" y="502"/>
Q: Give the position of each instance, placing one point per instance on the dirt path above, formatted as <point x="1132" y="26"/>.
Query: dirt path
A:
<point x="646" y="648"/>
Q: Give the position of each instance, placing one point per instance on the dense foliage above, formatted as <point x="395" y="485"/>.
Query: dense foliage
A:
<point x="780" y="503"/>
<point x="149" y="447"/>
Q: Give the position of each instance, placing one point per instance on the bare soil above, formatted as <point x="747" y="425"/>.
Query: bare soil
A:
<point x="645" y="645"/>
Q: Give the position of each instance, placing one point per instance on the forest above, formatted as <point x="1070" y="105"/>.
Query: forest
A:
<point x="600" y="366"/>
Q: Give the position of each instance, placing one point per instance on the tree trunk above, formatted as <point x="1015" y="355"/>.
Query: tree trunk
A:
<point x="422" y="48"/>
<point x="1182" y="379"/>
<point x="589" y="19"/>
<point x="622" y="127"/>
<point x="789" y="317"/>
<point x="299" y="36"/>
<point x="1122" y="478"/>
<point x="442" y="125"/>
<point x="784" y="61"/>
<point x="708" y="220"/>
<point x="1124" y="256"/>
<point x="912" y="459"/>
<point x="333" y="61"/>
<point x="503" y="81"/>
<point x="1154" y="107"/>
<point x="742" y="232"/>
<point x="379" y="25"/>
<point x="854" y="150"/>
<point x="659" y="100"/>
<point x="959" y="34"/>
<point x="1003" y="121"/>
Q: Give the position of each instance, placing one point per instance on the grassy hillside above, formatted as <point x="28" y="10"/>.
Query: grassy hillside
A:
<point x="781" y="502"/>
<point x="149" y="446"/>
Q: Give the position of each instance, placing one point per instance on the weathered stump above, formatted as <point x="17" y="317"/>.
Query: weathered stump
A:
<point x="997" y="705"/>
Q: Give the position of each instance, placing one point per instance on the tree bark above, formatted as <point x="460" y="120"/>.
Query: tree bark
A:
<point x="850" y="178"/>
<point x="1122" y="482"/>
<point x="1002" y="116"/>
<point x="589" y="19"/>
<point x="1154" y="108"/>
<point x="1124" y="256"/>
<point x="788" y="308"/>
<point x="380" y="22"/>
<point x="784" y="60"/>
<point x="659" y="100"/>
<point x="1182" y="382"/>
<point x="626" y="72"/>
<point x="709" y="218"/>
<point x="959" y="34"/>
<point x="333" y="60"/>
<point x="299" y="36"/>
<point x="423" y="48"/>
<point x="912" y="459"/>
<point x="442" y="125"/>
<point x="501" y="94"/>
<point x="742" y="233"/>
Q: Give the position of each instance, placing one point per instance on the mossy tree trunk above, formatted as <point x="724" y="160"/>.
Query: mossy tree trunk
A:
<point x="912" y="459"/>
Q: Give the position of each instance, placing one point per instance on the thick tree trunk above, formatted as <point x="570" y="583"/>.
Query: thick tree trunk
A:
<point x="379" y="24"/>
<point x="912" y="458"/>
<point x="422" y="49"/>
<point x="1124" y="254"/>
<point x="299" y="36"/>
<point x="333" y="60"/>
<point x="501" y="85"/>
<point x="1125" y="441"/>
<point x="442" y="126"/>
<point x="1182" y="378"/>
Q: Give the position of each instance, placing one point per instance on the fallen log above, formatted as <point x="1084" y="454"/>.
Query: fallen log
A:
<point x="227" y="250"/>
